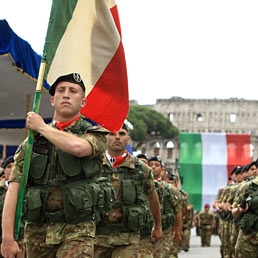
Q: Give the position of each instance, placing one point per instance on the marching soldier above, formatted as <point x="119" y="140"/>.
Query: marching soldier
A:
<point x="61" y="199"/>
<point x="206" y="222"/>
<point x="118" y="233"/>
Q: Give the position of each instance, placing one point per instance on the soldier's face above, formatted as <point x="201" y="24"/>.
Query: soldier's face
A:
<point x="156" y="168"/>
<point x="118" y="141"/>
<point x="68" y="99"/>
<point x="245" y="174"/>
<point x="252" y="171"/>
<point x="239" y="177"/>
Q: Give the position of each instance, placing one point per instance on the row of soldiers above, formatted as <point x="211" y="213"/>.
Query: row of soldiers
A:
<point x="237" y="206"/>
<point x="86" y="196"/>
<point x="177" y="213"/>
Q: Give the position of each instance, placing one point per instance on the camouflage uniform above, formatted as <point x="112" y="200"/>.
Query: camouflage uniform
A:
<point x="235" y="227"/>
<point x="206" y="226"/>
<point x="166" y="247"/>
<point x="120" y="244"/>
<point x="224" y="224"/>
<point x="187" y="225"/>
<point x="228" y="222"/>
<point x="60" y="239"/>
<point x="247" y="241"/>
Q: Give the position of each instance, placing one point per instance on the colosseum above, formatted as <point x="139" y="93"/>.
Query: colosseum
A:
<point x="236" y="116"/>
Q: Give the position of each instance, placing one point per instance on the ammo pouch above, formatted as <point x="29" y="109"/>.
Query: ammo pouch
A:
<point x="81" y="201"/>
<point x="133" y="218"/>
<point x="106" y="199"/>
<point x="148" y="225"/>
<point x="35" y="204"/>
<point x="133" y="203"/>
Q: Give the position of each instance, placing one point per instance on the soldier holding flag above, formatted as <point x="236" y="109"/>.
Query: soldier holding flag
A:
<point x="65" y="163"/>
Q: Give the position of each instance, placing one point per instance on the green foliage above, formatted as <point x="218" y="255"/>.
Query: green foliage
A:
<point x="147" y="122"/>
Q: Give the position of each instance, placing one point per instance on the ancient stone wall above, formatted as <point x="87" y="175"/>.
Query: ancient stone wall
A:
<point x="203" y="115"/>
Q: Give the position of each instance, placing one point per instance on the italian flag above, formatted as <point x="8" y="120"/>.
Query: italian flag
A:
<point x="206" y="161"/>
<point x="84" y="36"/>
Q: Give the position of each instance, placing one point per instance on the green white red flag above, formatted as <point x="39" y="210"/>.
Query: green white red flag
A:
<point x="84" y="36"/>
<point x="206" y="161"/>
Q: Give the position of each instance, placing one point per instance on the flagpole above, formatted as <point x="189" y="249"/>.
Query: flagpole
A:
<point x="36" y="105"/>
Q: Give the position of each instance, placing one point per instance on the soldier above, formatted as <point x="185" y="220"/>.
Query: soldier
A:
<point x="217" y="206"/>
<point x="206" y="222"/>
<point x="245" y="207"/>
<point x="239" y="175"/>
<point x="188" y="222"/>
<point x="62" y="190"/>
<point x="171" y="208"/>
<point x="118" y="234"/>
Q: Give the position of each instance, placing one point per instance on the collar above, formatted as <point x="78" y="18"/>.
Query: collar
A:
<point x="116" y="161"/>
<point x="62" y="125"/>
<point x="126" y="160"/>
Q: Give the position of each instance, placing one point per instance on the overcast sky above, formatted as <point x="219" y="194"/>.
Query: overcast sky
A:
<point x="186" y="48"/>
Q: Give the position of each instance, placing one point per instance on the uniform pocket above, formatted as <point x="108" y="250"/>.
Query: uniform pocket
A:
<point x="128" y="191"/>
<point x="70" y="164"/>
<point x="78" y="203"/>
<point x="33" y="205"/>
<point x="135" y="218"/>
<point x="38" y="166"/>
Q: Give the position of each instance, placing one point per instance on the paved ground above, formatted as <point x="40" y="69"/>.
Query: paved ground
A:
<point x="196" y="251"/>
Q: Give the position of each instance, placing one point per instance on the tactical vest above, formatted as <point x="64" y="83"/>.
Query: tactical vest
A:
<point x="133" y="202"/>
<point x="83" y="196"/>
<point x="249" y="220"/>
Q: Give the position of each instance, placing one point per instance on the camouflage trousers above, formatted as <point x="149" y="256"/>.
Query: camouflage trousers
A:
<point x="165" y="247"/>
<point x="36" y="246"/>
<point x="220" y="231"/>
<point x="233" y="238"/>
<point x="146" y="247"/>
<point x="206" y="231"/>
<point x="247" y="245"/>
<point x="117" y="245"/>
<point x="185" y="242"/>
<point x="123" y="251"/>
<point x="227" y="249"/>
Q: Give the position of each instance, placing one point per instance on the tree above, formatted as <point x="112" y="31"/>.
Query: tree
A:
<point x="148" y="122"/>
